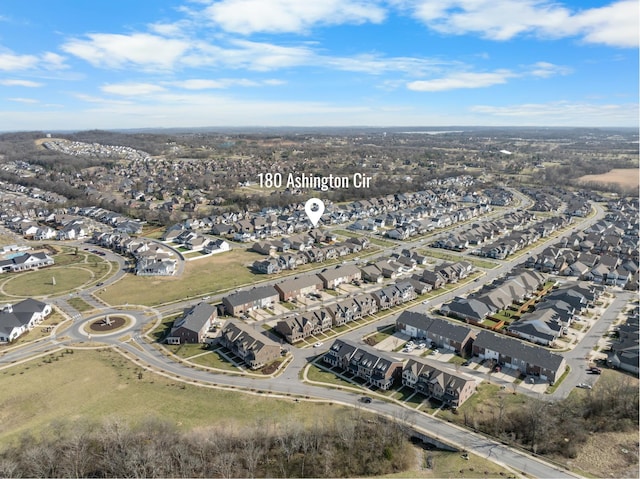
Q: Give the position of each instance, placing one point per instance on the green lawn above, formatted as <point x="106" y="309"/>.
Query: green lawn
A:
<point x="92" y="385"/>
<point x="79" y="304"/>
<point x="452" y="464"/>
<point x="213" y="359"/>
<point x="314" y="373"/>
<point x="440" y="254"/>
<point x="456" y="360"/>
<point x="160" y="332"/>
<point x="381" y="334"/>
<point x="185" y="351"/>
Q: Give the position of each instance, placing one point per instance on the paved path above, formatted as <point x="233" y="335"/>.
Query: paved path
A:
<point x="289" y="381"/>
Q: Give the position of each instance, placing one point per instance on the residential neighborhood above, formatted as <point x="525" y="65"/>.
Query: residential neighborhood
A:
<point x="450" y="296"/>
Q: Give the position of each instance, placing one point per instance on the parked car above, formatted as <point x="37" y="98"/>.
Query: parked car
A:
<point x="318" y="344"/>
<point x="584" y="386"/>
<point x="595" y="370"/>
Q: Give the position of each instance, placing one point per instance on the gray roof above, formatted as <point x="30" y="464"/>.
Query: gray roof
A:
<point x="249" y="296"/>
<point x="441" y="327"/>
<point x="197" y="317"/>
<point x="339" y="272"/>
<point x="468" y="308"/>
<point x="299" y="283"/>
<point x="514" y="348"/>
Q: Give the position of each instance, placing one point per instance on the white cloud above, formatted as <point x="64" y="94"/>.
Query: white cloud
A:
<point x="615" y="24"/>
<point x="22" y="83"/>
<point x="109" y="50"/>
<point x="53" y="61"/>
<point x="462" y="80"/>
<point x="207" y="84"/>
<point x="98" y="99"/>
<point x="12" y="62"/>
<point x="564" y="113"/>
<point x="377" y="64"/>
<point x="278" y="16"/>
<point x="546" y="70"/>
<point x="28" y="101"/>
<point x="132" y="89"/>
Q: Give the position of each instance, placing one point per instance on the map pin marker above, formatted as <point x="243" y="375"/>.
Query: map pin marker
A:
<point x="314" y="209"/>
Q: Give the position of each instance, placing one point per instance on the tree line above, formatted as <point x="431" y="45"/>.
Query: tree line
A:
<point x="361" y="445"/>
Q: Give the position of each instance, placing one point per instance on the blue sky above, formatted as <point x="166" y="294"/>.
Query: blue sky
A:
<point x="75" y="64"/>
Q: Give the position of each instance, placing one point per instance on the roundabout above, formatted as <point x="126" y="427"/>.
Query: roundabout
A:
<point x="107" y="324"/>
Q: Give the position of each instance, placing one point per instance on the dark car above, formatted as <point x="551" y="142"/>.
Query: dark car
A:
<point x="366" y="399"/>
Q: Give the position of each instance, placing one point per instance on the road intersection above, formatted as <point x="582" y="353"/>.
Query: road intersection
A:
<point x="139" y="348"/>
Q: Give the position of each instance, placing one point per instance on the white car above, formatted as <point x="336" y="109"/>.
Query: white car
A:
<point x="318" y="344"/>
<point x="584" y="386"/>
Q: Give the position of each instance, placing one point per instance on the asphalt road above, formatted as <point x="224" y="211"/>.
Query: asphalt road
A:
<point x="289" y="382"/>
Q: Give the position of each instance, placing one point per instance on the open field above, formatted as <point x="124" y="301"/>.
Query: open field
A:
<point x="93" y="385"/>
<point x="206" y="276"/>
<point x="627" y="177"/>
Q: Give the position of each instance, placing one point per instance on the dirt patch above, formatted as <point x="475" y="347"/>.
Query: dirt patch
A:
<point x="627" y="177"/>
<point x="611" y="454"/>
<point x="271" y="368"/>
<point x="103" y="326"/>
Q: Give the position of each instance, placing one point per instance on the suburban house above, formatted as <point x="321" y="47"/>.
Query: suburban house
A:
<point x="516" y="354"/>
<point x="193" y="324"/>
<point x="26" y="262"/>
<point x="242" y="302"/>
<point x="21" y="317"/>
<point x="298" y="327"/>
<point x="434" y="380"/>
<point x="625" y="351"/>
<point x="541" y="327"/>
<point x="334" y="277"/>
<point x="253" y="347"/>
<point x="468" y="309"/>
<point x="377" y="368"/>
<point x="440" y="332"/>
<point x="294" y="288"/>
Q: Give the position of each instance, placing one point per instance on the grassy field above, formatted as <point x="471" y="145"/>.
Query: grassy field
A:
<point x="79" y="304"/>
<point x="97" y="384"/>
<point x="451" y="464"/>
<point x="440" y="254"/>
<point x="217" y="273"/>
<point x="70" y="271"/>
<point x="314" y="373"/>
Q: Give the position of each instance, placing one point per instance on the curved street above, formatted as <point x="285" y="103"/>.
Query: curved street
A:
<point x="140" y="349"/>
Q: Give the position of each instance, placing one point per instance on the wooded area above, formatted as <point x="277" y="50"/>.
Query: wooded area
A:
<point x="363" y="445"/>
